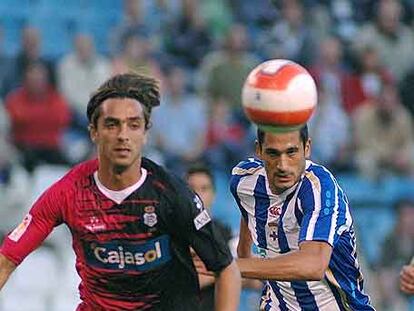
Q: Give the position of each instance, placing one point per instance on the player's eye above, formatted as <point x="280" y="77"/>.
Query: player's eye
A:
<point x="272" y="153"/>
<point x="135" y="125"/>
<point x="110" y="125"/>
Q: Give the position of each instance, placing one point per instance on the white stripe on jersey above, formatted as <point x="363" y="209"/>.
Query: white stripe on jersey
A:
<point x="316" y="186"/>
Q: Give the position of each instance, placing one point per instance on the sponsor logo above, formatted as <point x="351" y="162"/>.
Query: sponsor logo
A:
<point x="95" y="224"/>
<point x="129" y="256"/>
<point x="202" y="219"/>
<point x="275" y="210"/>
<point x="20" y="229"/>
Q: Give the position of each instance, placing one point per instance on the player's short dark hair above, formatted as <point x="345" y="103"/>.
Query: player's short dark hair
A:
<point x="142" y="88"/>
<point x="304" y="135"/>
<point x="200" y="168"/>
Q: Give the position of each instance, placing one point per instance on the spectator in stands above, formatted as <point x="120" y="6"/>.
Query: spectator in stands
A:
<point x="329" y="70"/>
<point x="187" y="39"/>
<point x="393" y="41"/>
<point x="407" y="91"/>
<point x="39" y="115"/>
<point x="397" y="250"/>
<point x="136" y="56"/>
<point x="226" y="137"/>
<point x="201" y="180"/>
<point x="132" y="24"/>
<point x="30" y="52"/>
<point x="4" y="67"/>
<point x="366" y="81"/>
<point x="384" y="136"/>
<point x="224" y="71"/>
<point x="14" y="181"/>
<point x="330" y="117"/>
<point x="291" y="36"/>
<point x="179" y="124"/>
<point x="79" y="73"/>
<point x="264" y="14"/>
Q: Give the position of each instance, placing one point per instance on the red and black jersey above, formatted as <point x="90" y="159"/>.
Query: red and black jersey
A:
<point x="134" y="255"/>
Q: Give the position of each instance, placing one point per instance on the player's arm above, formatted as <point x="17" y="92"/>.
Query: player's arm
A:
<point x="227" y="288"/>
<point x="308" y="263"/>
<point x="407" y="278"/>
<point x="6" y="268"/>
<point x="26" y="237"/>
<point x="244" y="247"/>
<point x="196" y="227"/>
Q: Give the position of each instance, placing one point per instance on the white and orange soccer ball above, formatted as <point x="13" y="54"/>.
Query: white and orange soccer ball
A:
<point x="279" y="95"/>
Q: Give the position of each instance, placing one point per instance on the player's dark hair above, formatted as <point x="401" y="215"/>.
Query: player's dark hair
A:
<point x="304" y="135"/>
<point x="142" y="88"/>
<point x="200" y="168"/>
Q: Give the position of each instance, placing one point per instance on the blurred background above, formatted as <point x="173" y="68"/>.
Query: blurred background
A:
<point x="53" y="53"/>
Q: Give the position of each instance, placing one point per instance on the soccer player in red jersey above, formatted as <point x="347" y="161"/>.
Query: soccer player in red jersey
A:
<point x="132" y="222"/>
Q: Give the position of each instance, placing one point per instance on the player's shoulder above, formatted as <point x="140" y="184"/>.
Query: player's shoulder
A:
<point x="250" y="166"/>
<point x="163" y="179"/>
<point x="78" y="173"/>
<point x="317" y="176"/>
<point x="245" y="175"/>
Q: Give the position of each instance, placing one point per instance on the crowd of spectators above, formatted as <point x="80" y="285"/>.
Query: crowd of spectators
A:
<point x="359" y="52"/>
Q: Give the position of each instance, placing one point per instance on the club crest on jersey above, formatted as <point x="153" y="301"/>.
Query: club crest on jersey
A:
<point x="273" y="227"/>
<point x="20" y="229"/>
<point x="150" y="217"/>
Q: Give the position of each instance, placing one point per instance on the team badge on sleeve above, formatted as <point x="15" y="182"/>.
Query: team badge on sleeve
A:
<point x="20" y="229"/>
<point x="202" y="219"/>
<point x="198" y="203"/>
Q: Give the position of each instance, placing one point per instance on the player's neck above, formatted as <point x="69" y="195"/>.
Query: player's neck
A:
<point x="117" y="179"/>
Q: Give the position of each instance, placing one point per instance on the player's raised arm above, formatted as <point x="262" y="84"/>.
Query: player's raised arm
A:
<point x="6" y="268"/>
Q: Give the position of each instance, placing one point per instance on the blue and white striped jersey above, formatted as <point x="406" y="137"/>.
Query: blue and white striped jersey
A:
<point x="316" y="209"/>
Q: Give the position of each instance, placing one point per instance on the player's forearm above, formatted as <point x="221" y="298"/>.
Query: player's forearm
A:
<point x="205" y="280"/>
<point x="227" y="290"/>
<point x="6" y="268"/>
<point x="293" y="266"/>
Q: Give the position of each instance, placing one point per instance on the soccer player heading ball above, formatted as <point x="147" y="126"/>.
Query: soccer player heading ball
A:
<point x="293" y="209"/>
<point x="132" y="222"/>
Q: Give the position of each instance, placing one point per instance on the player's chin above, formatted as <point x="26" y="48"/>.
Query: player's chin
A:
<point x="283" y="184"/>
<point x="123" y="162"/>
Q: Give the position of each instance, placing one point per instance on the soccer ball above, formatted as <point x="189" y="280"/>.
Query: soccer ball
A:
<point x="279" y="95"/>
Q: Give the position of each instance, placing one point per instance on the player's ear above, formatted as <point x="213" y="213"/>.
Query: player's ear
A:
<point x="258" y="148"/>
<point x="145" y="137"/>
<point x="308" y="148"/>
<point x="92" y="132"/>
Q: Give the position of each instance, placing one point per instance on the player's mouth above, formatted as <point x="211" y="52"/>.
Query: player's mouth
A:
<point x="283" y="178"/>
<point x="122" y="151"/>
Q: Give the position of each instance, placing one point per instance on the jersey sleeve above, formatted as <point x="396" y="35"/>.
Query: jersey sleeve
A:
<point x="44" y="215"/>
<point x="195" y="226"/>
<point x="245" y="169"/>
<point x="325" y="211"/>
